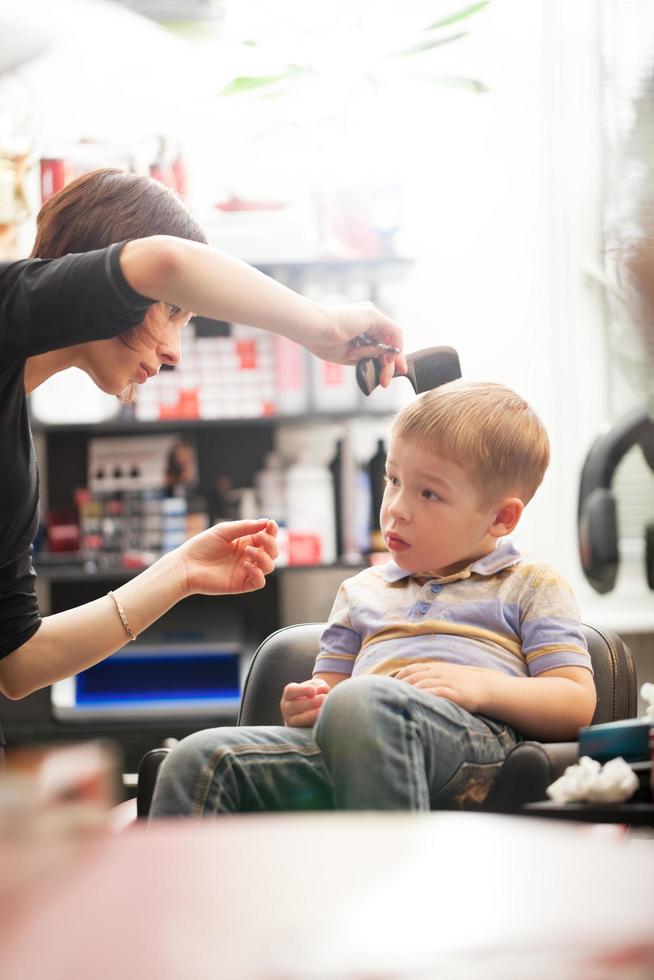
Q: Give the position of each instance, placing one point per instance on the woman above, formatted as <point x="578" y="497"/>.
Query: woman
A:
<point x="126" y="262"/>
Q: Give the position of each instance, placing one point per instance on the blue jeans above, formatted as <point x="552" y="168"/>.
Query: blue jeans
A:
<point x="378" y="744"/>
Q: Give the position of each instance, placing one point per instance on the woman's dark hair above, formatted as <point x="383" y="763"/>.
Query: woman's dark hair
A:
<point x="108" y="206"/>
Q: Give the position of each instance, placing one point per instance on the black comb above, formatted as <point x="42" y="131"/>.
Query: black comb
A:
<point x="426" y="369"/>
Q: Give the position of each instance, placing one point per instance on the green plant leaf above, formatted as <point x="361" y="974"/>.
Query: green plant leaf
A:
<point x="251" y="83"/>
<point x="427" y="45"/>
<point x="459" y="15"/>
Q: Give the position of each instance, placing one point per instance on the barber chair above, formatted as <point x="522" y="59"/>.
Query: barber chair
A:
<point x="289" y="654"/>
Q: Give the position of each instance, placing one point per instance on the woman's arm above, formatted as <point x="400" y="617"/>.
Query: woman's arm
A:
<point x="228" y="558"/>
<point x="214" y="284"/>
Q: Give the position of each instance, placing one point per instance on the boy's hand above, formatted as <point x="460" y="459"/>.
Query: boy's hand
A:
<point x="301" y="703"/>
<point x="466" y="686"/>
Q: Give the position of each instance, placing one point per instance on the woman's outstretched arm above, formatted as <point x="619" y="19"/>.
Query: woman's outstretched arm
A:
<point x="227" y="558"/>
<point x="214" y="284"/>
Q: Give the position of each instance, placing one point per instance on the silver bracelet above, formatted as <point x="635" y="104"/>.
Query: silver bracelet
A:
<point x="123" y="617"/>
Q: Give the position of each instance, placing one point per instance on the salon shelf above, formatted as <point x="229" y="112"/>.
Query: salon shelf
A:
<point x="128" y="425"/>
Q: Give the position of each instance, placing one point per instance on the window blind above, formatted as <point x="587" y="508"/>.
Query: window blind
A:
<point x="626" y="40"/>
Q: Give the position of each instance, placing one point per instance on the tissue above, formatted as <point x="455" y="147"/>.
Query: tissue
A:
<point x="590" y="782"/>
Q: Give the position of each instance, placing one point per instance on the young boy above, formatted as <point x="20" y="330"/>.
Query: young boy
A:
<point x="432" y="666"/>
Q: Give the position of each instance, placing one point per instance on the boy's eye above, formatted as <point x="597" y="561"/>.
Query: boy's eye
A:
<point x="391" y="481"/>
<point x="430" y="495"/>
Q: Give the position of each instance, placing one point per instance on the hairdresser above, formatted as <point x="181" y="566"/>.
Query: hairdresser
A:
<point x="117" y="266"/>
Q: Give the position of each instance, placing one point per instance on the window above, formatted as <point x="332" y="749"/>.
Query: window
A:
<point x="627" y="92"/>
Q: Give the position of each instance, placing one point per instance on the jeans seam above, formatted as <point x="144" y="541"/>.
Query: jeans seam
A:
<point x="210" y="768"/>
<point x="497" y="764"/>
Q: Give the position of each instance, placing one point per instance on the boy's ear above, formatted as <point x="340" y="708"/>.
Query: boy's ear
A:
<point x="506" y="517"/>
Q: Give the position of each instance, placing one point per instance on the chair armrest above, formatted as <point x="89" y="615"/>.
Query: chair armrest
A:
<point x="528" y="770"/>
<point x="148" y="770"/>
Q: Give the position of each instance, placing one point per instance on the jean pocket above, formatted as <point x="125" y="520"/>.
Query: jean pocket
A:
<point x="468" y="787"/>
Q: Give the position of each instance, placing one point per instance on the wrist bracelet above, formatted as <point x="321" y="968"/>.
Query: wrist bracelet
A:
<point x="123" y="617"/>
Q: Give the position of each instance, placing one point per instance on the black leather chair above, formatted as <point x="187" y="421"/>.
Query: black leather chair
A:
<point x="289" y="654"/>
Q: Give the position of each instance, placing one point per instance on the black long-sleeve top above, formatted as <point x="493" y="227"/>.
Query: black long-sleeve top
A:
<point x="44" y="305"/>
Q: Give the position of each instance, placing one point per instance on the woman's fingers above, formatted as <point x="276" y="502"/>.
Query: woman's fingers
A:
<point x="232" y="530"/>
<point x="254" y="577"/>
<point x="380" y="327"/>
<point x="259" y="557"/>
<point x="267" y="541"/>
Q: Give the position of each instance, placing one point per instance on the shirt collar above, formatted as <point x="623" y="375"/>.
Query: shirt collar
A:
<point x="504" y="555"/>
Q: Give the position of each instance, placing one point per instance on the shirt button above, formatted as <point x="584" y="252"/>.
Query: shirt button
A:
<point x="436" y="588"/>
<point x="423" y="607"/>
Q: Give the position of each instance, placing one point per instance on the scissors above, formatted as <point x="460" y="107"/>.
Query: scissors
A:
<point x="364" y="341"/>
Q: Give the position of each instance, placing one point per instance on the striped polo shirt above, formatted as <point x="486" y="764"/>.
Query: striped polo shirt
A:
<point x="502" y="612"/>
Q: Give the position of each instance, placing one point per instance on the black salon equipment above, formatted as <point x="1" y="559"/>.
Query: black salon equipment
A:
<point x="597" y="515"/>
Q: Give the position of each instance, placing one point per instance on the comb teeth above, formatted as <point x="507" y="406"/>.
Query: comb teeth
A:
<point x="432" y="367"/>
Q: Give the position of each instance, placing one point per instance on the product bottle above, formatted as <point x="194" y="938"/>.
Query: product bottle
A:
<point x="335" y="469"/>
<point x="377" y="470"/>
<point x="291" y="391"/>
<point x="363" y="498"/>
<point x="310" y="505"/>
<point x="269" y="483"/>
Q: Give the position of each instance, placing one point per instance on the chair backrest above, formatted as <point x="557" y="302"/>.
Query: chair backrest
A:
<point x="286" y="655"/>
<point x="615" y="676"/>
<point x="289" y="655"/>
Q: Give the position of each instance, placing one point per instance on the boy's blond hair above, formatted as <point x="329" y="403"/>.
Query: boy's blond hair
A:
<point x="487" y="429"/>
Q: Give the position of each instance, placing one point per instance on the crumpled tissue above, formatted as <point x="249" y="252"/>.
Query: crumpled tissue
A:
<point x="647" y="694"/>
<point x="590" y="782"/>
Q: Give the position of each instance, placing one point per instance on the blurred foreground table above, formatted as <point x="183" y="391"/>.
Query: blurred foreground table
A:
<point x="318" y="897"/>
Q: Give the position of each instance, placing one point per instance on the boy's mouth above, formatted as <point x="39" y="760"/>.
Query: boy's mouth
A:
<point x="396" y="543"/>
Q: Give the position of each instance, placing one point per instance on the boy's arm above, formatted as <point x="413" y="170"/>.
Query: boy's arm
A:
<point x="559" y="697"/>
<point x="301" y="703"/>
<point x="339" y="644"/>
<point x="551" y="707"/>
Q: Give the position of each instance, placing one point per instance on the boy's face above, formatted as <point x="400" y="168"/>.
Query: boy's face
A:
<point x="433" y="519"/>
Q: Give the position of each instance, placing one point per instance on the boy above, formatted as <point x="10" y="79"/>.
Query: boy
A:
<point x="430" y="665"/>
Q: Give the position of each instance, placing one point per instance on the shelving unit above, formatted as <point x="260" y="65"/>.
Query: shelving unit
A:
<point x="225" y="446"/>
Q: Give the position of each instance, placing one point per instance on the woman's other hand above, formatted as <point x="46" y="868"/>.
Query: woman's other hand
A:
<point x="234" y="556"/>
<point x="354" y="320"/>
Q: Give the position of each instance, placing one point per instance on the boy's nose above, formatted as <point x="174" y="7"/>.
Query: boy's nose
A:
<point x="398" y="509"/>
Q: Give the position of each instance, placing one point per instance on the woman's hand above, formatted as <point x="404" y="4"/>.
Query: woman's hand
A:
<point x="466" y="686"/>
<point x="353" y="320"/>
<point x="234" y="556"/>
<point x="301" y="703"/>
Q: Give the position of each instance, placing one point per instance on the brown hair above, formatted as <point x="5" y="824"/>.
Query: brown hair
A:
<point x="485" y="428"/>
<point x="107" y="206"/>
